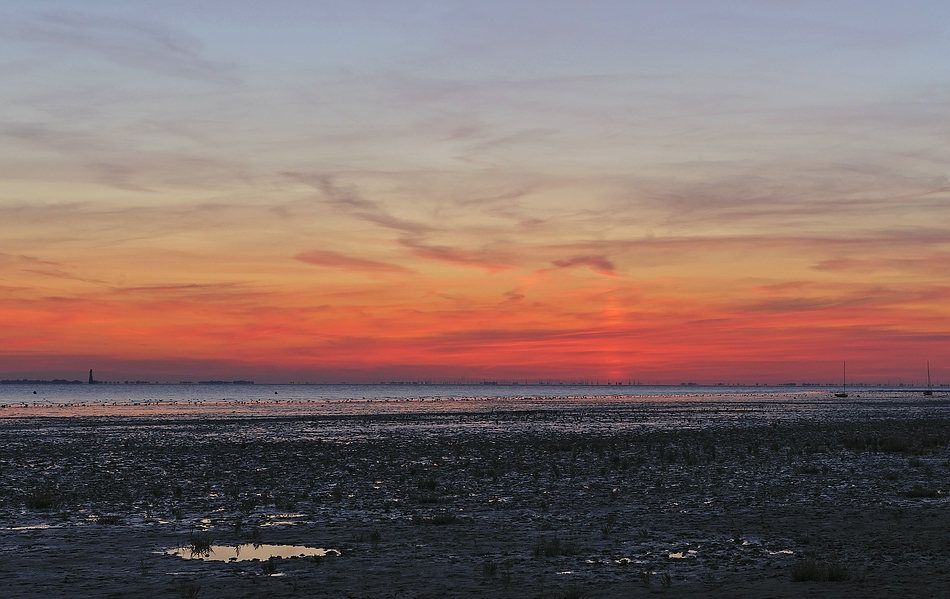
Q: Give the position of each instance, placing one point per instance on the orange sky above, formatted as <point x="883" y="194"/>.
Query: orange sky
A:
<point x="190" y="195"/>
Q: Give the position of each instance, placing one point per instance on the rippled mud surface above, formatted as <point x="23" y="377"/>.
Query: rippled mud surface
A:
<point x="595" y="497"/>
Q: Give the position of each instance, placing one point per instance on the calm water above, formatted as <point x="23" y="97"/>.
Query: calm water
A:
<point x="241" y="394"/>
<point x="440" y="409"/>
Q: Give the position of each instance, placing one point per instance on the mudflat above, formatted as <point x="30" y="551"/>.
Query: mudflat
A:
<point x="772" y="496"/>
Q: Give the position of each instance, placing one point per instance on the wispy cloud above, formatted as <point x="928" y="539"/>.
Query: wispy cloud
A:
<point x="135" y="44"/>
<point x="485" y="258"/>
<point x="932" y="264"/>
<point x="23" y="259"/>
<point x="88" y="154"/>
<point x="336" y="260"/>
<point x="599" y="264"/>
<point x="63" y="274"/>
<point x="46" y="268"/>
<point x="350" y="201"/>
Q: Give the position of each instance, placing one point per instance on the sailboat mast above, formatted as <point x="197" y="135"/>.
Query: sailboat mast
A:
<point x="930" y="388"/>
<point x="844" y="380"/>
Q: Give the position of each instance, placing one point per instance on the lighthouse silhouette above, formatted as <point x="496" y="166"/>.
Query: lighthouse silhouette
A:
<point x="91" y="380"/>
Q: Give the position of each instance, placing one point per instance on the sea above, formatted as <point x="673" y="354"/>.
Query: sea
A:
<point x="40" y="393"/>
<point x="665" y="406"/>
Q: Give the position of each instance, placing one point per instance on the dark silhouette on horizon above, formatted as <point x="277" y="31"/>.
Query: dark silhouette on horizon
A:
<point x="844" y="380"/>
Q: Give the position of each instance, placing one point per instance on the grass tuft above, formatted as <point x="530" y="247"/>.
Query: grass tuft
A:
<point x="809" y="570"/>
<point x="646" y="577"/>
<point x="553" y="547"/>
<point x="188" y="588"/>
<point x="921" y="492"/>
<point x="199" y="544"/>
<point x="40" y="500"/>
<point x="269" y="567"/>
<point x="437" y="520"/>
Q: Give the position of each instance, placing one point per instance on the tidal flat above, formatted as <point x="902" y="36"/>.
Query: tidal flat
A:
<point x="768" y="495"/>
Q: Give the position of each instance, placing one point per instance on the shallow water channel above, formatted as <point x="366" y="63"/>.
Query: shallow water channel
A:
<point x="250" y="552"/>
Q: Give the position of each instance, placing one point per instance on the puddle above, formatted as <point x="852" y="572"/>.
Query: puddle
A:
<point x="283" y="519"/>
<point x="249" y="551"/>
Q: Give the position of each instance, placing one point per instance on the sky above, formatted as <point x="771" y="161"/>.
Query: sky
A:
<point x="708" y="191"/>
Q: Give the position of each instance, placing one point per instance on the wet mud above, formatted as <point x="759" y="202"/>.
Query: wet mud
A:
<point x="763" y="497"/>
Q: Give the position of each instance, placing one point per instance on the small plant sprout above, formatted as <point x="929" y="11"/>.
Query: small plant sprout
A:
<point x="269" y="567"/>
<point x="808" y="570"/>
<point x="188" y="589"/>
<point x="40" y="500"/>
<point x="553" y="547"/>
<point x="199" y="544"/>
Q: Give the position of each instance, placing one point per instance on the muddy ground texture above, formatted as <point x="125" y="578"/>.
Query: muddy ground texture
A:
<point x="480" y="503"/>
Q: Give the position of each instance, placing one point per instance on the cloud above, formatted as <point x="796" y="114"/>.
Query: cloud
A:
<point x="335" y="260"/>
<point x="46" y="268"/>
<point x="20" y="258"/>
<point x="178" y="288"/>
<point x="348" y="200"/>
<point x="61" y="274"/>
<point x="599" y="264"/>
<point x="94" y="154"/>
<point x="487" y="259"/>
<point x="934" y="264"/>
<point x="129" y="43"/>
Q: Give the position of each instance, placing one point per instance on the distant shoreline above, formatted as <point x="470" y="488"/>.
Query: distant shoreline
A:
<point x="39" y="382"/>
<point x="692" y="387"/>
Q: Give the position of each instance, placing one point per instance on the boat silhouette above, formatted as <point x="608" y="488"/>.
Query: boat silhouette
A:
<point x="844" y="381"/>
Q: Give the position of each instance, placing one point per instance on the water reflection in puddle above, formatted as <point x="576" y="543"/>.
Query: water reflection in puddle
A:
<point x="249" y="551"/>
<point x="283" y="519"/>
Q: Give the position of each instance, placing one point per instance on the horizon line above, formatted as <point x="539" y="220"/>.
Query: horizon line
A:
<point x="494" y="382"/>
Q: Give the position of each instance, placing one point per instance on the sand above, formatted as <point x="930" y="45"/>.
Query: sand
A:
<point x="704" y="497"/>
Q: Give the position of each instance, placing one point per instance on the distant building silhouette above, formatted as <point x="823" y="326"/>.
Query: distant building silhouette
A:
<point x="91" y="380"/>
